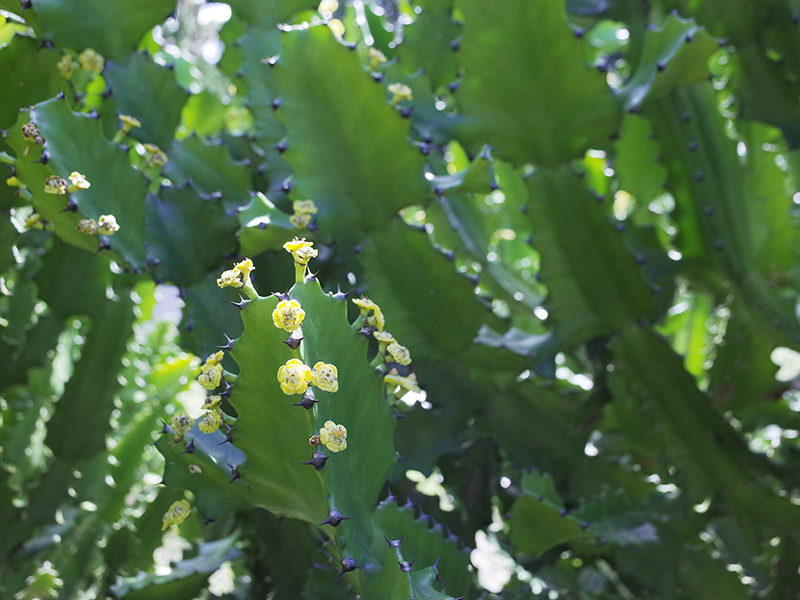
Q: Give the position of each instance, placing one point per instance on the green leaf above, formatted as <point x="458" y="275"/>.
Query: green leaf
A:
<point x="187" y="234"/>
<point x="538" y="526"/>
<point x="148" y="91"/>
<point x="335" y="116"/>
<point x="429" y="307"/>
<point x="594" y="285"/>
<point x="113" y="30"/>
<point x="526" y="90"/>
<point x="30" y="75"/>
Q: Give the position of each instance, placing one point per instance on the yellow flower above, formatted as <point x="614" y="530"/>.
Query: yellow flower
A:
<point x="210" y="422"/>
<point x="288" y="315"/>
<point x="78" y="182"/>
<point x="245" y="268"/>
<point x="294" y="377"/>
<point x="333" y="436"/>
<point x="399" y="354"/>
<point x="216" y="358"/>
<point x="399" y="91"/>
<point x="107" y="225"/>
<point x="181" y="423"/>
<point x="35" y="221"/>
<point x="376" y="57"/>
<point x="87" y="226"/>
<point x="91" y="61"/>
<point x="367" y="306"/>
<point x="300" y="221"/>
<point x="211" y="376"/>
<point x="129" y="122"/>
<point x="407" y="383"/>
<point x="213" y="402"/>
<point x="30" y="132"/>
<point x="55" y="185"/>
<point x="229" y="278"/>
<point x="176" y="514"/>
<point x="383" y="336"/>
<point x="324" y="376"/>
<point x="154" y="156"/>
<point x="66" y="66"/>
<point x="304" y="207"/>
<point x="302" y="251"/>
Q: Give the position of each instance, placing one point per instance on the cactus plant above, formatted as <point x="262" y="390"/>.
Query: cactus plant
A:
<point x="399" y="299"/>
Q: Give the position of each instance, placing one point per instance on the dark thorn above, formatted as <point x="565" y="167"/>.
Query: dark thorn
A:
<point x="436" y="570"/>
<point x="620" y="227"/>
<point x="228" y="437"/>
<point x="453" y="86"/>
<point x="106" y="94"/>
<point x="229" y="343"/>
<point x="405" y="566"/>
<point x="723" y="42"/>
<point x="334" y="518"/>
<point x="688" y="38"/>
<point x="317" y="460"/>
<point x="719" y="246"/>
<point x="602" y="68"/>
<point x="539" y="498"/>
<point x="206" y="521"/>
<point x="390" y="497"/>
<point x="634" y="110"/>
<point x="276" y="103"/>
<point x="60" y="95"/>
<point x="405" y="111"/>
<point x="600" y="197"/>
<point x="235" y="474"/>
<point x="226" y="392"/>
<point x="241" y="304"/>
<point x="474" y="278"/>
<point x="399" y="415"/>
<point x="262" y="226"/>
<point x="398" y="457"/>
<point x="189" y="448"/>
<point x="104" y="245"/>
<point x="708" y="211"/>
<point x="357" y="250"/>
<point x="584" y="525"/>
<point x="72" y="206"/>
<point x="395" y="543"/>
<point x="44" y="158"/>
<point x="377" y="77"/>
<point x="699" y="176"/>
<point x="692" y="146"/>
<point x="348" y="564"/>
<point x="286" y="186"/>
<point x="451" y="255"/>
<point x="164" y="429"/>
<point x="46" y="44"/>
<point x="656" y="290"/>
<point x="578" y="33"/>
<point x="686" y="117"/>
<point x="454" y="45"/>
<point x="639" y="259"/>
<point x="293" y="342"/>
<point x="661" y="66"/>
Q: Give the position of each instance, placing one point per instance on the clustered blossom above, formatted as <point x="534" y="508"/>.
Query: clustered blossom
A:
<point x="210" y="421"/>
<point x="376" y="57"/>
<point x="211" y="372"/>
<point x="32" y="134"/>
<point x="294" y="377"/>
<point x="176" y="514"/>
<point x="154" y="156"/>
<point x="66" y="66"/>
<point x="399" y="91"/>
<point x="399" y="354"/>
<point x="333" y="436"/>
<point x="301" y="250"/>
<point x="288" y="315"/>
<point x="55" y="185"/>
<point x="303" y="210"/>
<point x="373" y="317"/>
<point x="325" y="377"/>
<point x="78" y="181"/>
<point x="106" y="225"/>
<point x="181" y="423"/>
<point x="91" y="61"/>
<point x="238" y="276"/>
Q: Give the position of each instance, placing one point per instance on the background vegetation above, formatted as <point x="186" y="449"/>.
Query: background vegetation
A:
<point x="579" y="218"/>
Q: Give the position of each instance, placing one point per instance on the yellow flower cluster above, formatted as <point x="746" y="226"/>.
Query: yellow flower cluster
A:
<point x="373" y="317"/>
<point x="176" y="514"/>
<point x="91" y="61"/>
<point x="288" y="315"/>
<point x="154" y="156"/>
<point x="211" y="372"/>
<point x="238" y="276"/>
<point x="32" y="134"/>
<point x="106" y="225"/>
<point x="213" y="416"/>
<point x="303" y="211"/>
<point x="301" y="250"/>
<point x="399" y="91"/>
<point x="333" y="436"/>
